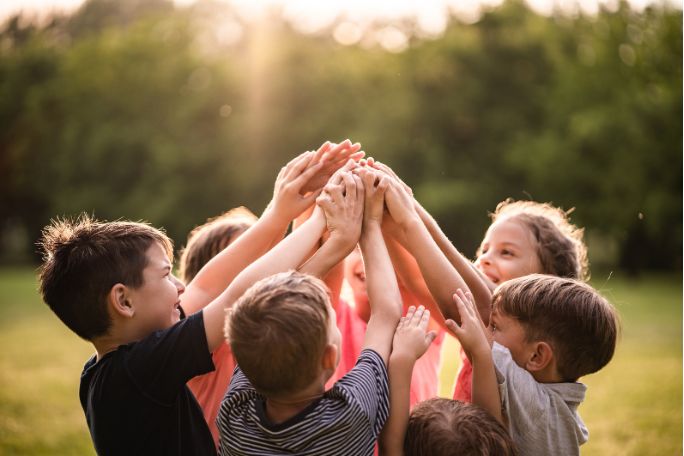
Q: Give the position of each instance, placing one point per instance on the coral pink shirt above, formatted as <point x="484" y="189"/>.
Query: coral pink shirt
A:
<point x="210" y="388"/>
<point x="353" y="329"/>
<point x="463" y="390"/>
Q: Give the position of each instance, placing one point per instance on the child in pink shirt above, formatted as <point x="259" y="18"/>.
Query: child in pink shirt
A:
<point x="204" y="243"/>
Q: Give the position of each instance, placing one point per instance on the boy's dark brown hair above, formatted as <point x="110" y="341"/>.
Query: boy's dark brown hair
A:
<point x="560" y="244"/>
<point x="207" y="240"/>
<point x="580" y="325"/>
<point x="84" y="258"/>
<point x="278" y="331"/>
<point x="444" y="427"/>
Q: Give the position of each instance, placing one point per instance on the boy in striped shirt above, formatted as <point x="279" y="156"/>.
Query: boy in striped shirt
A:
<point x="283" y="334"/>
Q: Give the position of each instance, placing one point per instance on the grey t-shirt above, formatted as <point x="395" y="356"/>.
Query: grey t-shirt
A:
<point x="542" y="417"/>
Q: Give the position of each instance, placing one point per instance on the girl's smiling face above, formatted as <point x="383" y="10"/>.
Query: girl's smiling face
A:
<point x="508" y="250"/>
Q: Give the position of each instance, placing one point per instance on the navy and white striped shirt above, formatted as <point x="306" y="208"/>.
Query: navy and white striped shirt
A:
<point x="346" y="420"/>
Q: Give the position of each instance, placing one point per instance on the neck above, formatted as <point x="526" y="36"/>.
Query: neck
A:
<point x="547" y="375"/>
<point x="282" y="408"/>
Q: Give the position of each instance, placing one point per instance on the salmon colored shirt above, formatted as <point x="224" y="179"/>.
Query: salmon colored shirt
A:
<point x="353" y="328"/>
<point x="210" y="388"/>
<point x="463" y="390"/>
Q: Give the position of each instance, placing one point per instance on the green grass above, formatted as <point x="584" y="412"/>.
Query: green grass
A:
<point x="633" y="406"/>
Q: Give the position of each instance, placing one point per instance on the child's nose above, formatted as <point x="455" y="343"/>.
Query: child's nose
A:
<point x="180" y="286"/>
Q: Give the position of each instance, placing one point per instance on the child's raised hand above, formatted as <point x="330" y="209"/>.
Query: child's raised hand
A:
<point x="375" y="186"/>
<point x="342" y="203"/>
<point x="389" y="171"/>
<point x="472" y="334"/>
<point x="288" y="201"/>
<point x="411" y="338"/>
<point x="334" y="157"/>
<point x="400" y="203"/>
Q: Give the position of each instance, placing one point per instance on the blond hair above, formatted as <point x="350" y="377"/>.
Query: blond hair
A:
<point x="560" y="244"/>
<point x="207" y="240"/>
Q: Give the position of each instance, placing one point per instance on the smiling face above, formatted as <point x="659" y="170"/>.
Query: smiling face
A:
<point x="508" y="251"/>
<point x="157" y="300"/>
<point x="508" y="331"/>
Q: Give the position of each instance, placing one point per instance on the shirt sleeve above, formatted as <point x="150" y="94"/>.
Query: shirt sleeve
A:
<point x="522" y="399"/>
<point x="367" y="386"/>
<point x="163" y="362"/>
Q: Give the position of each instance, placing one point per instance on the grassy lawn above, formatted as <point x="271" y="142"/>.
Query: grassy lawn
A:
<point x="633" y="407"/>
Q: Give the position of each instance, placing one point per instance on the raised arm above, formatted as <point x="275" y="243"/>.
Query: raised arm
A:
<point x="342" y="201"/>
<point x="475" y="340"/>
<point x="381" y="282"/>
<point x="290" y="198"/>
<point x="288" y="254"/>
<point x="411" y="340"/>
<point x="477" y="284"/>
<point x="440" y="276"/>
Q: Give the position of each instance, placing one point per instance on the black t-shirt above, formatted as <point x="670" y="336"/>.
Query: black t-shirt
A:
<point x="135" y="398"/>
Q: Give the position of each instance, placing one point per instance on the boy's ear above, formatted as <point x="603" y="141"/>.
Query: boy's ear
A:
<point x="330" y="358"/>
<point x="119" y="301"/>
<point x="542" y="357"/>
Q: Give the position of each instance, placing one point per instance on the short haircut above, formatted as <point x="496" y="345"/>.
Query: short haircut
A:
<point x="84" y="258"/>
<point x="207" y="240"/>
<point x="560" y="244"/>
<point x="580" y="325"/>
<point x="443" y="427"/>
<point x="278" y="331"/>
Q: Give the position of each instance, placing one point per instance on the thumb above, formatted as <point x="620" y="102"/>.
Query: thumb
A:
<point x="452" y="326"/>
<point x="430" y="336"/>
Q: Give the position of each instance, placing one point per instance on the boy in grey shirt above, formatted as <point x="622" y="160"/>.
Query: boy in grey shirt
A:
<point x="545" y="332"/>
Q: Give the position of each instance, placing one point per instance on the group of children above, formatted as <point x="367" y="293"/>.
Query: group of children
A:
<point x="259" y="355"/>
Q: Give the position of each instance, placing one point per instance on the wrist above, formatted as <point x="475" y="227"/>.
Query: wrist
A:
<point x="275" y="217"/>
<point x="400" y="358"/>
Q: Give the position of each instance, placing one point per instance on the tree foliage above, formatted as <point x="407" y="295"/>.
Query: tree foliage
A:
<point x="139" y="110"/>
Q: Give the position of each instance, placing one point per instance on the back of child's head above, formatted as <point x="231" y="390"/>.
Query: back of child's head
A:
<point x="560" y="244"/>
<point x="444" y="427"/>
<point x="278" y="331"/>
<point x="580" y="325"/>
<point x="207" y="240"/>
<point x="84" y="258"/>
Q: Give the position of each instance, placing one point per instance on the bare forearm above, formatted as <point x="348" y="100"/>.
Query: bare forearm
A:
<point x="440" y="276"/>
<point x="485" y="385"/>
<point x="381" y="281"/>
<point x="478" y="287"/>
<point x="409" y="272"/>
<point x="391" y="442"/>
<point x="218" y="273"/>
<point x="331" y="253"/>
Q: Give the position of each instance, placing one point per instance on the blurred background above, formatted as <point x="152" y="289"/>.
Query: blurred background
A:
<point x="175" y="112"/>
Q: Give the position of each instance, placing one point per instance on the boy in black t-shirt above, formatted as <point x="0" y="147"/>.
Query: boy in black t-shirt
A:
<point x="112" y="284"/>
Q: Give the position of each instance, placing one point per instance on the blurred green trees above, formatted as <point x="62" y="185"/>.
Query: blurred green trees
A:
<point x="137" y="110"/>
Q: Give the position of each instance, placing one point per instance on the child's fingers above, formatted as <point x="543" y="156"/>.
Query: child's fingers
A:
<point x="304" y="177"/>
<point x="295" y="167"/>
<point x="318" y="155"/>
<point x="453" y="327"/>
<point x="311" y="197"/>
<point x="464" y="303"/>
<point x="359" y="188"/>
<point x="417" y="316"/>
<point x="461" y="306"/>
<point x="325" y="202"/>
<point x="383" y="185"/>
<point x="424" y="320"/>
<point x="430" y="337"/>
<point x="350" y="186"/>
<point x="409" y="313"/>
